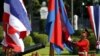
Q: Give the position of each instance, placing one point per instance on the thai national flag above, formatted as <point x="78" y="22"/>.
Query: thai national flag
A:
<point x="16" y="24"/>
<point x="94" y="14"/>
<point x="58" y="26"/>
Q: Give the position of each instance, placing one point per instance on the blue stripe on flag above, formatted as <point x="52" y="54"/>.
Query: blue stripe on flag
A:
<point x="7" y="1"/>
<point x="18" y="11"/>
<point x="50" y="23"/>
<point x="57" y="49"/>
<point x="69" y="47"/>
<point x="51" y="19"/>
<point x="65" y="18"/>
<point x="96" y="18"/>
<point x="67" y="24"/>
<point x="59" y="7"/>
<point x="66" y="45"/>
<point x="56" y="7"/>
<point x="99" y="24"/>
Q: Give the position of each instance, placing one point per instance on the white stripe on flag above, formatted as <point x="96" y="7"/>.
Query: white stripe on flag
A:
<point x="16" y="38"/>
<point x="21" y="1"/>
<point x="99" y="26"/>
<point x="13" y="21"/>
<point x="6" y="8"/>
<point x="69" y="38"/>
<point x="16" y="24"/>
<point x="4" y="40"/>
<point x="92" y="13"/>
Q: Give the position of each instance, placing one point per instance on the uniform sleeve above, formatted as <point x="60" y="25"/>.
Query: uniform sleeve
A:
<point x="81" y="44"/>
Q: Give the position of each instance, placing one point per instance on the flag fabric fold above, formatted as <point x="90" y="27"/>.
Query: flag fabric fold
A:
<point x="94" y="17"/>
<point x="58" y="26"/>
<point x="16" y="24"/>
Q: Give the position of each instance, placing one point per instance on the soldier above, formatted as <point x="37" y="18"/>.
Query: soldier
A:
<point x="83" y="44"/>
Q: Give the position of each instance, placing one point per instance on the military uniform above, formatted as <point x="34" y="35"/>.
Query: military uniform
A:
<point x="83" y="46"/>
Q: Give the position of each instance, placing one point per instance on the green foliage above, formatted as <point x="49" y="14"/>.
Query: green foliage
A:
<point x="75" y="50"/>
<point x="88" y="2"/>
<point x="35" y="7"/>
<point x="92" y="40"/>
<point x="77" y="33"/>
<point x="40" y="38"/>
<point x="36" y="4"/>
<point x="42" y="25"/>
<point x="75" y="39"/>
<point x="1" y="33"/>
<point x="28" y="41"/>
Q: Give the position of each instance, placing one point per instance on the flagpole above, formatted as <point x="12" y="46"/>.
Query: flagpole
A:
<point x="51" y="52"/>
<point x="72" y="13"/>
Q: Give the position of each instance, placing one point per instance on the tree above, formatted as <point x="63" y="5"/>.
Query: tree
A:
<point x="68" y="7"/>
<point x="88" y="2"/>
<point x="1" y="9"/>
<point x="77" y="7"/>
<point x="32" y="6"/>
<point x="35" y="7"/>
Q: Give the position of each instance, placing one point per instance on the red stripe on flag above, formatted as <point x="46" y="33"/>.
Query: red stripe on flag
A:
<point x="5" y="27"/>
<point x="51" y="5"/>
<point x="90" y="17"/>
<point x="66" y="34"/>
<point x="11" y="30"/>
<point x="23" y="34"/>
<point x="57" y="32"/>
<point x="6" y="17"/>
<point x="12" y="44"/>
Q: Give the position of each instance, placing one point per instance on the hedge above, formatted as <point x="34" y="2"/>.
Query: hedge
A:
<point x="28" y="41"/>
<point x="40" y="38"/>
<point x="1" y="33"/>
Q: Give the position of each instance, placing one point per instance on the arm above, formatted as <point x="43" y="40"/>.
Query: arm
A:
<point x="81" y="43"/>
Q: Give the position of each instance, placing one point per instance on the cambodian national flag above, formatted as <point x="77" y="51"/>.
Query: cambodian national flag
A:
<point x="16" y="25"/>
<point x="58" y="26"/>
<point x="94" y="14"/>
